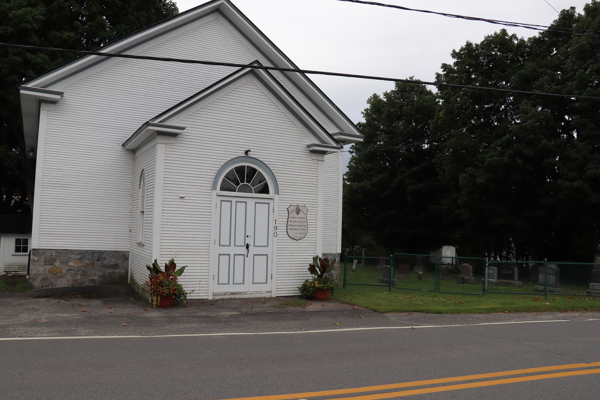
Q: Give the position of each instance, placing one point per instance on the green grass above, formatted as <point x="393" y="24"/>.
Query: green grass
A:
<point x="380" y="300"/>
<point x="413" y="295"/>
<point x="13" y="284"/>
<point x="291" y="303"/>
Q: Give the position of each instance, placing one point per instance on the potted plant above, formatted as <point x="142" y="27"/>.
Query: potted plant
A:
<point x="321" y="285"/>
<point x="163" y="286"/>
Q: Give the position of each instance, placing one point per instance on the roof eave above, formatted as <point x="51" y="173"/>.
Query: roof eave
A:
<point x="148" y="131"/>
<point x="30" y="100"/>
<point x="347" y="138"/>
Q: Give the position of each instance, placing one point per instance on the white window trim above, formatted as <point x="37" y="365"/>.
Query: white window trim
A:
<point x="141" y="208"/>
<point x="15" y="246"/>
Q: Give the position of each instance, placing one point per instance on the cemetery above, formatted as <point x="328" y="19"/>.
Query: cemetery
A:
<point x="472" y="276"/>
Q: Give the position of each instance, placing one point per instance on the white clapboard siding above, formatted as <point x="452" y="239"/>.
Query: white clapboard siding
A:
<point x="246" y="117"/>
<point x="331" y="193"/>
<point x="140" y="256"/>
<point x="12" y="263"/>
<point x="86" y="182"/>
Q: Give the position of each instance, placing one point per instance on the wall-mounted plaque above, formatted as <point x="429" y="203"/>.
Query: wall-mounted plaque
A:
<point x="297" y="223"/>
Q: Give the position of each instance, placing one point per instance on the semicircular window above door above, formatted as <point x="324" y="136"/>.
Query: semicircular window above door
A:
<point x="245" y="179"/>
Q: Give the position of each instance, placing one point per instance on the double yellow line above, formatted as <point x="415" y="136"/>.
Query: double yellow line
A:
<point x="582" y="369"/>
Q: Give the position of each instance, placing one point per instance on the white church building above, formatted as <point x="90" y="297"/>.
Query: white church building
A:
<point x="235" y="172"/>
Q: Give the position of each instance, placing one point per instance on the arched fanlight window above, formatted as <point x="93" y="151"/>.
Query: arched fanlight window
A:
<point x="245" y="179"/>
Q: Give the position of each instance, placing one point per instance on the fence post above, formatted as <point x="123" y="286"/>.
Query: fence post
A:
<point x="485" y="277"/>
<point x="345" y="269"/>
<point x="391" y="280"/>
<point x="545" y="278"/>
<point x="436" y="284"/>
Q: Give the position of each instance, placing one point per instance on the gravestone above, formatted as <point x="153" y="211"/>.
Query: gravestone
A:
<point x="466" y="272"/>
<point x="403" y="270"/>
<point x="508" y="273"/>
<point x="595" y="285"/>
<point x="385" y="275"/>
<point x="444" y="271"/>
<point x="596" y="274"/>
<point x="548" y="277"/>
<point x="383" y="260"/>
<point x="460" y="280"/>
<point x="354" y="265"/>
<point x="420" y="276"/>
<point x="492" y="274"/>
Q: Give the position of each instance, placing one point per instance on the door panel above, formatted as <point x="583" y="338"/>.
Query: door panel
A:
<point x="225" y="224"/>
<point x="240" y="223"/>
<point x="261" y="224"/>
<point x="223" y="269"/>
<point x="260" y="269"/>
<point x="239" y="269"/>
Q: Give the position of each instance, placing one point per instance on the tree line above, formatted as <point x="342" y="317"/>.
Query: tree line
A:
<point x="69" y="24"/>
<point x="503" y="175"/>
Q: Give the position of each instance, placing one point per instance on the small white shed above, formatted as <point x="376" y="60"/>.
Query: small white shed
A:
<point x="234" y="172"/>
<point x="15" y="242"/>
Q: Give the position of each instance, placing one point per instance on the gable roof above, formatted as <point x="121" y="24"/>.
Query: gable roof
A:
<point x="163" y="123"/>
<point x="30" y="100"/>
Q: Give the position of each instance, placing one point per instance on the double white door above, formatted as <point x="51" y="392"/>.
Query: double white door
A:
<point x="244" y="243"/>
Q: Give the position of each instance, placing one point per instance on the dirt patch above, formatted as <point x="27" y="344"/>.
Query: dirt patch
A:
<point x="71" y="296"/>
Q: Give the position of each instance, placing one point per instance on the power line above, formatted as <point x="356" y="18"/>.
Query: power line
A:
<point x="295" y="70"/>
<point x="552" y="6"/>
<point x="436" y="138"/>
<point x="524" y="25"/>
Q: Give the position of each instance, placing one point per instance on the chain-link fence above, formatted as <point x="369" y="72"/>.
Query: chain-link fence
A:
<point x="367" y="271"/>
<point x="414" y="272"/>
<point x="461" y="275"/>
<point x="468" y="275"/>
<point x="540" y="277"/>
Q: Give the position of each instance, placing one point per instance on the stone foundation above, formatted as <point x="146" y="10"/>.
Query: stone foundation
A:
<point x="335" y="273"/>
<point x="64" y="268"/>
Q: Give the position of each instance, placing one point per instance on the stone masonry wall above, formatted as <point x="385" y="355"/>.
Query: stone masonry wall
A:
<point x="336" y="272"/>
<point x="64" y="268"/>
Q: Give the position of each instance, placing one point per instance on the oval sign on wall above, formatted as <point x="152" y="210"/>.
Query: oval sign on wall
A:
<point x="297" y="223"/>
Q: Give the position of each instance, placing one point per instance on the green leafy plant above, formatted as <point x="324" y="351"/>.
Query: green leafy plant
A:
<point x="319" y="269"/>
<point x="164" y="283"/>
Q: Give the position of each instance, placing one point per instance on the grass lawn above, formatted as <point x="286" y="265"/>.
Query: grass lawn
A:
<point x="13" y="283"/>
<point x="379" y="299"/>
<point x="412" y="295"/>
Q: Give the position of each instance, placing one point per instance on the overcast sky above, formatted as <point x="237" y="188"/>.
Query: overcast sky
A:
<point x="337" y="36"/>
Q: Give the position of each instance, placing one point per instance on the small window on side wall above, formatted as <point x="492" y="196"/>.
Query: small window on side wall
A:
<point x="21" y="245"/>
<point x="142" y="205"/>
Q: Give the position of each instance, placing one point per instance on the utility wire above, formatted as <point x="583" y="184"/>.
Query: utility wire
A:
<point x="552" y="6"/>
<point x="524" y="25"/>
<point x="434" y="139"/>
<point x="296" y="70"/>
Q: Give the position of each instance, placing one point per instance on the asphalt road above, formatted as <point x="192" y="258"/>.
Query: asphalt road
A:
<point x="50" y="349"/>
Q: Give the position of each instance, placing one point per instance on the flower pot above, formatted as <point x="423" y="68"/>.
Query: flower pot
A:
<point x="166" y="301"/>
<point x="321" y="294"/>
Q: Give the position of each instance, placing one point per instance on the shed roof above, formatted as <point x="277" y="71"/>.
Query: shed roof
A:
<point x="15" y="224"/>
